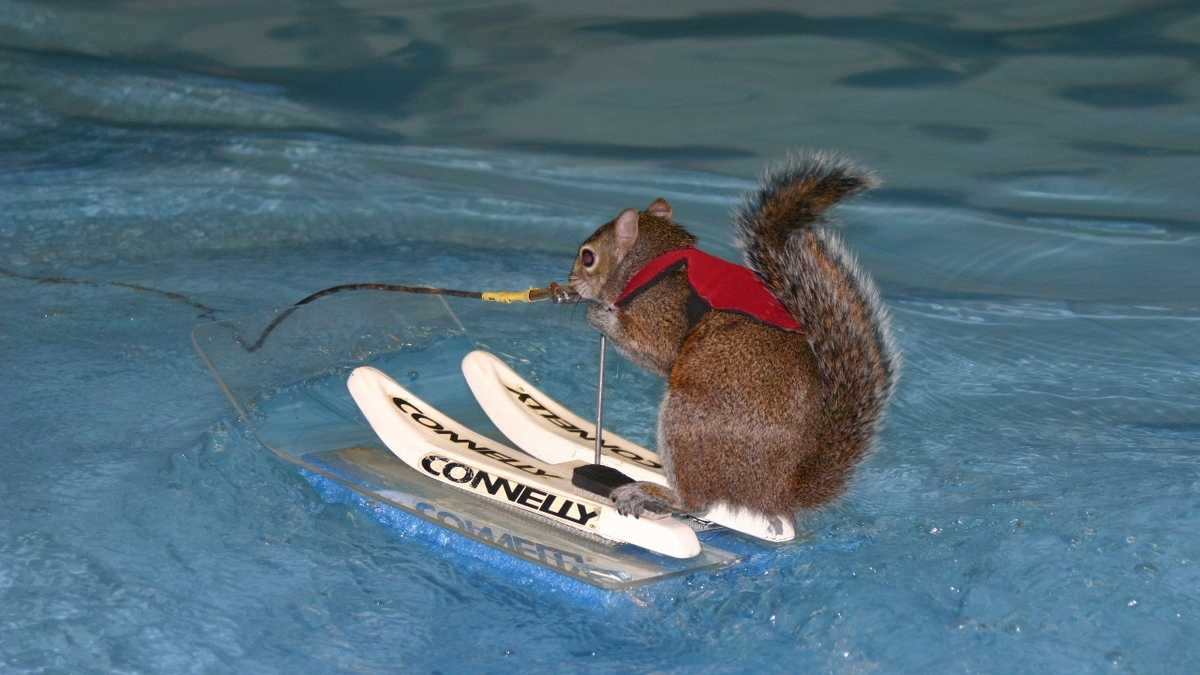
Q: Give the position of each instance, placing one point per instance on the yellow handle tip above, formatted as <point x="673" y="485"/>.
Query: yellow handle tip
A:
<point x="506" y="297"/>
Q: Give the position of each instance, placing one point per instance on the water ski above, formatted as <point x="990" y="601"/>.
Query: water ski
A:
<point x="440" y="448"/>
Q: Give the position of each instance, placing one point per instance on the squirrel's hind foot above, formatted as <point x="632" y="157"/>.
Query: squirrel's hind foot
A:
<point x="642" y="497"/>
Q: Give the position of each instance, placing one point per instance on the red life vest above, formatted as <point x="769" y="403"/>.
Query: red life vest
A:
<point x="723" y="285"/>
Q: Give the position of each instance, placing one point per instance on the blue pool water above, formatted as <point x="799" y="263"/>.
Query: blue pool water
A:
<point x="1034" y="504"/>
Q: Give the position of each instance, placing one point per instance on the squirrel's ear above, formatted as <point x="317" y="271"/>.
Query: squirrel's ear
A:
<point x="660" y="208"/>
<point x="626" y="229"/>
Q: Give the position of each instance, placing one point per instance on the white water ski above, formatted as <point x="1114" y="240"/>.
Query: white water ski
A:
<point x="438" y="447"/>
<point x="549" y="431"/>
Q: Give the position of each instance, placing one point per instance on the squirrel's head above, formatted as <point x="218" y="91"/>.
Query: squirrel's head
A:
<point x="633" y="238"/>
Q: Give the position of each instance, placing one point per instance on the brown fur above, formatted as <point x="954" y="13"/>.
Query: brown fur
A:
<point x="754" y="416"/>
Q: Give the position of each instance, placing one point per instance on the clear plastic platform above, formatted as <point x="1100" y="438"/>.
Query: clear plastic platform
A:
<point x="291" y="391"/>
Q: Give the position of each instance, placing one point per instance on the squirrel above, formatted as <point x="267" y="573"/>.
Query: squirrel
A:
<point x="768" y="414"/>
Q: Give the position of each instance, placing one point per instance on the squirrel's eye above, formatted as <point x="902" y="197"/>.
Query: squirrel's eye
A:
<point x="588" y="257"/>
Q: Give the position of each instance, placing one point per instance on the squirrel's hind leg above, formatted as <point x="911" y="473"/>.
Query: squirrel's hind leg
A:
<point x="634" y="499"/>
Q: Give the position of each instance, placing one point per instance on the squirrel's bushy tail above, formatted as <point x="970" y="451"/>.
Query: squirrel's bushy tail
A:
<point x="780" y="227"/>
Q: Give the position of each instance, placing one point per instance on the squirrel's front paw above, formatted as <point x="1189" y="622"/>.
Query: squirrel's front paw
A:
<point x="603" y="319"/>
<point x="634" y="499"/>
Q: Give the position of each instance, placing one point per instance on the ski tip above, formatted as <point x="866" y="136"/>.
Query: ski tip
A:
<point x="363" y="373"/>
<point x="481" y="362"/>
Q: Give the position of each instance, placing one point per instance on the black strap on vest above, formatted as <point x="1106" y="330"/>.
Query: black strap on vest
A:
<point x="697" y="308"/>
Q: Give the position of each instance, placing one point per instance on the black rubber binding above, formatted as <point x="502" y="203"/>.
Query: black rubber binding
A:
<point x="599" y="479"/>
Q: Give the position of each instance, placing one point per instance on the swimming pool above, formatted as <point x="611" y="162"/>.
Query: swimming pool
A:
<point x="1032" y="506"/>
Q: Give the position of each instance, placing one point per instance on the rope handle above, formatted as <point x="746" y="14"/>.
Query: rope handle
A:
<point x="556" y="292"/>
